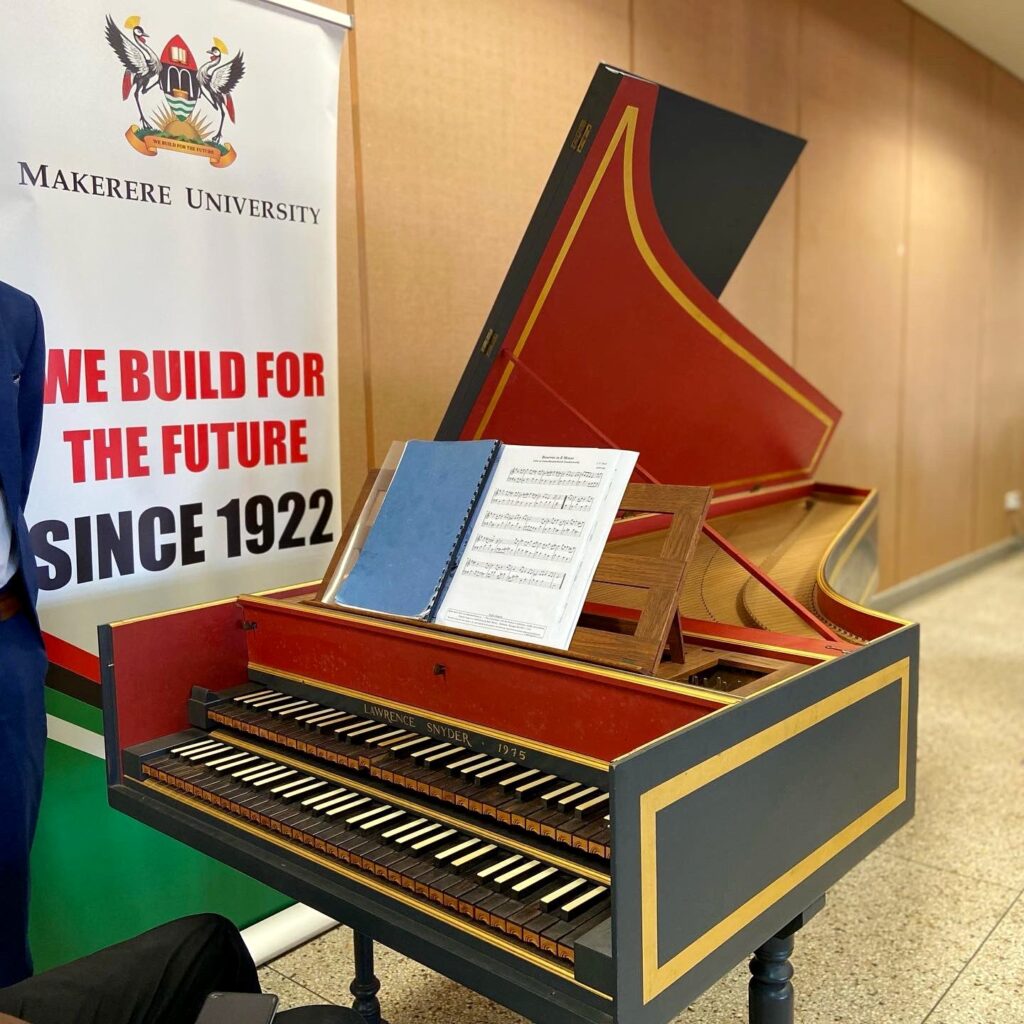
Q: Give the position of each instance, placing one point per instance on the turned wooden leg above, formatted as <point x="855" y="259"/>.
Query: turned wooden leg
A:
<point x="771" y="992"/>
<point x="365" y="985"/>
<point x="770" y="999"/>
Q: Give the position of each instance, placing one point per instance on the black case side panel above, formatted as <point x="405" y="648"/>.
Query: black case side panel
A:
<point x="728" y="829"/>
<point x="714" y="176"/>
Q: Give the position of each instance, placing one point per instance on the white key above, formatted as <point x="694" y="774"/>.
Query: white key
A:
<point x="258" y="776"/>
<point x="349" y="726"/>
<point x="519" y="869"/>
<point x="443" y="755"/>
<point x="558" y="791"/>
<point x="246" y="698"/>
<point x="472" y="769"/>
<point x="468" y="858"/>
<point x="294" y="782"/>
<point x="380" y="741"/>
<point x="319" y="798"/>
<point x="222" y="764"/>
<point x="528" y="883"/>
<point x="267" y="697"/>
<point x="315" y="712"/>
<point x="266" y="780"/>
<point x="328" y="718"/>
<point x="491" y="772"/>
<point x="595" y="801"/>
<point x="318" y="786"/>
<point x="457" y="848"/>
<point x="465" y="762"/>
<point x="499" y="866"/>
<point x="202" y="755"/>
<point x="516" y="779"/>
<point x="397" y="830"/>
<point x="365" y="734"/>
<point x="407" y="745"/>
<point x="191" y="745"/>
<point x="591" y="896"/>
<point x="567" y="801"/>
<point x="375" y="822"/>
<point x="331" y="801"/>
<point x="347" y="805"/>
<point x="440" y="837"/>
<point x="528" y="787"/>
<point x="363" y="815"/>
<point x="278" y="700"/>
<point x="410" y="836"/>
<point x="374" y="741"/>
<point x="292" y="705"/>
<point x="553" y="899"/>
<point x="252" y="769"/>
<point x="294" y="710"/>
<point x="433" y="749"/>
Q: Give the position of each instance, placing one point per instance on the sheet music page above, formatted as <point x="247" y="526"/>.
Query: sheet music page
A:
<point x="536" y="538"/>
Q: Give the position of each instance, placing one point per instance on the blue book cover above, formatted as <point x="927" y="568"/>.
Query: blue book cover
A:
<point x="417" y="533"/>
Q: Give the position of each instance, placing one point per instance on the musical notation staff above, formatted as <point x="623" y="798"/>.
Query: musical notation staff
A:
<point x="546" y="579"/>
<point x="522" y="547"/>
<point x="558" y="477"/>
<point x="536" y="499"/>
<point x="522" y="522"/>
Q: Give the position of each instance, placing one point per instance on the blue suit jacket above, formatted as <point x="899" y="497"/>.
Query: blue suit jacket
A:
<point x="21" y="412"/>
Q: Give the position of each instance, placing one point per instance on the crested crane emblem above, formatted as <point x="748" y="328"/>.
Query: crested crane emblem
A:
<point x="187" y="115"/>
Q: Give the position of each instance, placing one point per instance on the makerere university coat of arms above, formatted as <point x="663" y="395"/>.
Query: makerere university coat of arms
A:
<point x="176" y="125"/>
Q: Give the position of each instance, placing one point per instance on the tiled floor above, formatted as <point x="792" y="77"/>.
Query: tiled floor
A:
<point x="929" y="928"/>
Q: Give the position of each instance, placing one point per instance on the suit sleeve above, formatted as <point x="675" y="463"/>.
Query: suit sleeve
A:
<point x="30" y="405"/>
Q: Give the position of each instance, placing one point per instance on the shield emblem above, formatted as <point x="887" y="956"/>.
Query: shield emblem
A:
<point x="179" y="77"/>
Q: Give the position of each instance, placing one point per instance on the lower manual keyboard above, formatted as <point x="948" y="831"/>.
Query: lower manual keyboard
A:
<point x="568" y="812"/>
<point x="532" y="896"/>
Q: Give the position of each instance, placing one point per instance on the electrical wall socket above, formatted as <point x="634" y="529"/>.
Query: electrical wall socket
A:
<point x="1012" y="501"/>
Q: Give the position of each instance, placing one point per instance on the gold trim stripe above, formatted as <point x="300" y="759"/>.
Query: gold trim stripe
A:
<point x="657" y="977"/>
<point x="626" y="129"/>
<point x="601" y="877"/>
<point x="460" y="923"/>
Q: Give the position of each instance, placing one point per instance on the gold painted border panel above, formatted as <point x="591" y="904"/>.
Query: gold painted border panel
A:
<point x="657" y="977"/>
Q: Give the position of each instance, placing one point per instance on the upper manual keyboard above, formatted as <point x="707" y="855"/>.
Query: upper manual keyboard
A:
<point x="512" y="792"/>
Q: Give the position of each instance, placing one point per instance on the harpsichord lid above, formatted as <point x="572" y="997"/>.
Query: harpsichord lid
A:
<point x="608" y="331"/>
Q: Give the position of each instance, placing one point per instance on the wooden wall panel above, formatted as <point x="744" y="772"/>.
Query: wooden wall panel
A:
<point x="948" y="166"/>
<point x="1000" y="447"/>
<point x="463" y="106"/>
<point x="889" y="272"/>
<point x="741" y="55"/>
<point x="854" y="95"/>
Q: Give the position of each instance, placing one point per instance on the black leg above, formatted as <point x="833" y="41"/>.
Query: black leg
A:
<point x="771" y="992"/>
<point x="365" y="985"/>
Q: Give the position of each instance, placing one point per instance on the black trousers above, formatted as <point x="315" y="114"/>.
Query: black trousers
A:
<point x="160" y="977"/>
<point x="22" y="745"/>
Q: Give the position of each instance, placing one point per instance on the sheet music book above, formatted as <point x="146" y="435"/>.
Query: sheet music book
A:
<point x="492" y="538"/>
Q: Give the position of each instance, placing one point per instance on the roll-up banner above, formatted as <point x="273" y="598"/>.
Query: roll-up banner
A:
<point x="167" y="194"/>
